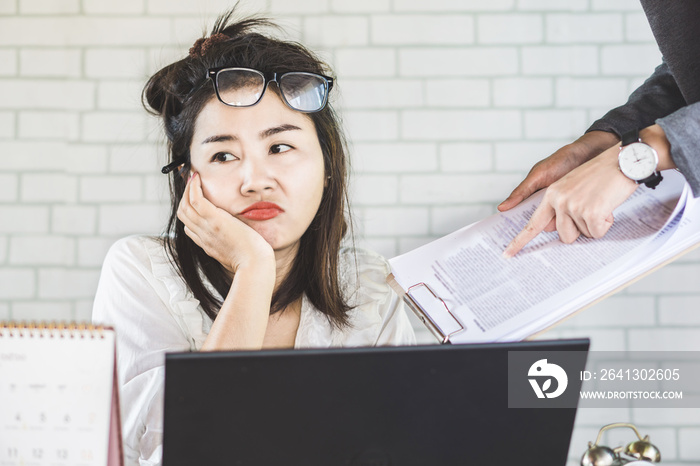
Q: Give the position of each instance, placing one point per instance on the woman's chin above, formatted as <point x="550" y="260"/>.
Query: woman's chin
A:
<point x="275" y="236"/>
<point x="279" y="245"/>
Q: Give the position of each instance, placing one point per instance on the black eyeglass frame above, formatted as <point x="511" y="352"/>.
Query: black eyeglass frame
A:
<point x="268" y="77"/>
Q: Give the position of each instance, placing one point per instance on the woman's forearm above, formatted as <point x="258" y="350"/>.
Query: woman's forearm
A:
<point x="242" y="320"/>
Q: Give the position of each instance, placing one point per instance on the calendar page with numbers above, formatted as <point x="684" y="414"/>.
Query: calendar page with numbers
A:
<point x="58" y="399"/>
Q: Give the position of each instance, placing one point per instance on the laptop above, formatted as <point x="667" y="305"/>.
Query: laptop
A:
<point x="438" y="405"/>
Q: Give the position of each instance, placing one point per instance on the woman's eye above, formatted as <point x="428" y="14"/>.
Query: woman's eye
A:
<point x="223" y="157"/>
<point x="279" y="148"/>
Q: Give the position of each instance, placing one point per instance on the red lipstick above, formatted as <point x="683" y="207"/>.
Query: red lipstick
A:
<point x="261" y="211"/>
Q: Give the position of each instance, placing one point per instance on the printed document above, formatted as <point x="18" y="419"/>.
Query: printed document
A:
<point x="472" y="294"/>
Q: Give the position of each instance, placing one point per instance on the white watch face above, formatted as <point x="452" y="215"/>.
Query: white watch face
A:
<point x="638" y="161"/>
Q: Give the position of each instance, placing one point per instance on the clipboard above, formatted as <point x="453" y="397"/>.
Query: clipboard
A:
<point x="443" y="326"/>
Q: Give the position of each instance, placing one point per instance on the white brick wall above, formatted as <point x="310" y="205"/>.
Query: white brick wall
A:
<point x="390" y="93"/>
<point x="48" y="188"/>
<point x="562" y="60"/>
<point x="92" y="7"/>
<point x="42" y="250"/>
<point x="56" y="125"/>
<point x="393" y="157"/>
<point x="73" y="219"/>
<point x="523" y="92"/>
<point x="7" y="124"/>
<point x="372" y="126"/>
<point x="584" y="28"/>
<point x="422" y="30"/>
<point x="447" y="104"/>
<point x="468" y="157"/>
<point x="457" y="92"/>
<point x="8" y="187"/>
<point x="48" y="62"/>
<point x="510" y="28"/>
<point x="114" y="63"/>
<point x="38" y="7"/>
<point x="451" y="62"/>
<point x="46" y="94"/>
<point x="365" y="62"/>
<point x="452" y="5"/>
<point x="457" y="125"/>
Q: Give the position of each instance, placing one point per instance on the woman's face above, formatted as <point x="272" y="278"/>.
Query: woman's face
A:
<point x="262" y="164"/>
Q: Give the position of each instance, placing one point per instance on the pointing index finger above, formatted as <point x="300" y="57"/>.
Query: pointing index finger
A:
<point x="538" y="222"/>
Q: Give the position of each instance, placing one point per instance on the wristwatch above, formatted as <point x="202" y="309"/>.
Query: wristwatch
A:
<point x="639" y="161"/>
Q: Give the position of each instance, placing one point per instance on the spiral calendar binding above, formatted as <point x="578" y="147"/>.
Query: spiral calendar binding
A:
<point x="52" y="330"/>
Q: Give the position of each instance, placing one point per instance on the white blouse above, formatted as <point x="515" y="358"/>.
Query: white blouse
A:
<point x="143" y="297"/>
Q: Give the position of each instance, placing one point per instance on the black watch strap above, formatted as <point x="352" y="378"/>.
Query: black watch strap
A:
<point x="652" y="181"/>
<point x="629" y="137"/>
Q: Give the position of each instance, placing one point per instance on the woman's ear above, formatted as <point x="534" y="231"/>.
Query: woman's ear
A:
<point x="325" y="183"/>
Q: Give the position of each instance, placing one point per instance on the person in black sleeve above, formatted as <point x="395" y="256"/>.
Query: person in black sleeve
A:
<point x="585" y="181"/>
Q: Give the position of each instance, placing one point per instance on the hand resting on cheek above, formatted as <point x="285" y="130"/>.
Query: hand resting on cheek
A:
<point x="221" y="235"/>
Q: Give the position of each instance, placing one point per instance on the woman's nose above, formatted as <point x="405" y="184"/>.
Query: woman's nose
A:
<point x="257" y="177"/>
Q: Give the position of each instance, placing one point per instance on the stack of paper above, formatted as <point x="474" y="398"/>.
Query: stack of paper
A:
<point x="464" y="291"/>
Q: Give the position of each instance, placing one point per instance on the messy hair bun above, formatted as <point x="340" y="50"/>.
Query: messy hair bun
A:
<point x="166" y="90"/>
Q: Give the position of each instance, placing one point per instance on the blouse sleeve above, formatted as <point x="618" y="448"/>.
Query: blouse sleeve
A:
<point x="379" y="317"/>
<point x="133" y="301"/>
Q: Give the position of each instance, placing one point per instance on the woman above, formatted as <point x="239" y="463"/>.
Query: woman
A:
<point x="253" y="256"/>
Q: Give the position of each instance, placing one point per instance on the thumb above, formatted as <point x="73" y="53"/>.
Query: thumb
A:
<point x="521" y="192"/>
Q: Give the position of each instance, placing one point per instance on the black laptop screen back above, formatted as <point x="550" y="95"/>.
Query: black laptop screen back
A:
<point x="436" y="405"/>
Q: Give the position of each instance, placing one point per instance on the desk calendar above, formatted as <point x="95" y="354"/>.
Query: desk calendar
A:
<point x="58" y="396"/>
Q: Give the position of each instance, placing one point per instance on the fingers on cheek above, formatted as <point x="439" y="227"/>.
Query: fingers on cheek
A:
<point x="188" y="232"/>
<point x="194" y="237"/>
<point x="182" y="212"/>
<point x="192" y="197"/>
<point x="195" y="190"/>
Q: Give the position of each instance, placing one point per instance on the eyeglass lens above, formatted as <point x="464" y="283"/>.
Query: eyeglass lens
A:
<point x="240" y="88"/>
<point x="303" y="91"/>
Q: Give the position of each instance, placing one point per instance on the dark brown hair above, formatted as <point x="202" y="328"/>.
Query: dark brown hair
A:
<point x="177" y="94"/>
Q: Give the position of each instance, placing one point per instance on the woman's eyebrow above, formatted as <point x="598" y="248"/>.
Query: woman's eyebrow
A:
<point x="220" y="138"/>
<point x="263" y="134"/>
<point x="277" y="129"/>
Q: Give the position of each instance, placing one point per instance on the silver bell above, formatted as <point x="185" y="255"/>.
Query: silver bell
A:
<point x="599" y="455"/>
<point x="643" y="450"/>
